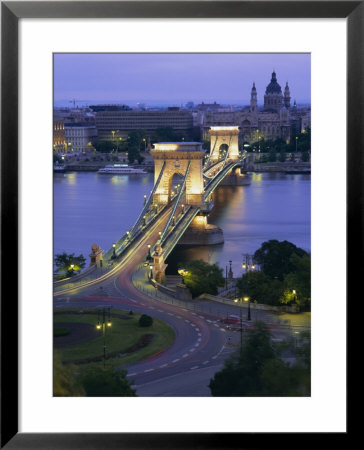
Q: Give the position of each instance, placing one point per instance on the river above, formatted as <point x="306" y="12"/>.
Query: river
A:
<point x="93" y="208"/>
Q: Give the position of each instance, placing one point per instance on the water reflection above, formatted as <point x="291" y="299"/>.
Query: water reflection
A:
<point x="91" y="208"/>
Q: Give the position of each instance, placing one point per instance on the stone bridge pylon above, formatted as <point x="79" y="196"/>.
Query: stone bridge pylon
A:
<point x="177" y="156"/>
<point x="224" y="138"/>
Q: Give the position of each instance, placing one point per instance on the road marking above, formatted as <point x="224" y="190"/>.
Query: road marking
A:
<point x="148" y="370"/>
<point x="160" y="310"/>
<point x="175" y="360"/>
<point x="205" y="362"/>
<point x="214" y="357"/>
<point x="198" y="330"/>
<point x="222" y="329"/>
<point x="187" y="321"/>
<point x="209" y="321"/>
<point x="151" y="307"/>
<point x="196" y="345"/>
<point x="199" y="340"/>
<point x="194" y="367"/>
<point x="170" y="314"/>
<point x="185" y="355"/>
<point x="201" y="317"/>
<point x="192" y="350"/>
<point x="216" y="325"/>
<point x="131" y="374"/>
<point x="179" y="317"/>
<point x="164" y="365"/>
<point x="194" y="314"/>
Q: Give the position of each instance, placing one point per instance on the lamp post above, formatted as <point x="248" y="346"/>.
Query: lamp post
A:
<point x="104" y="325"/>
<point x="151" y="272"/>
<point x="240" y="300"/>
<point x="248" y="263"/>
<point x="247" y="299"/>
<point x="296" y="143"/>
<point x="72" y="269"/>
<point x="149" y="257"/>
<point x="145" y="199"/>
<point x="113" y="250"/>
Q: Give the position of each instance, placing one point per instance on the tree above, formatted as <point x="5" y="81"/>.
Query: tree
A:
<point x="145" y="321"/>
<point x="135" y="139"/>
<point x="98" y="381"/>
<point x="133" y="154"/>
<point x="166" y="134"/>
<point x="201" y="277"/>
<point x="241" y="373"/>
<point x="297" y="284"/>
<point x="258" y="370"/>
<point x="260" y="287"/>
<point x="69" y="264"/>
<point x="104" y="146"/>
<point x="65" y="382"/>
<point x="274" y="258"/>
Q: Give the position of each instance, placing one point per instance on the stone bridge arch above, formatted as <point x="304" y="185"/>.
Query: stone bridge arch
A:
<point x="224" y="135"/>
<point x="177" y="156"/>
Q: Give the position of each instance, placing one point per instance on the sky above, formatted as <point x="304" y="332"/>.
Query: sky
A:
<point x="174" y="79"/>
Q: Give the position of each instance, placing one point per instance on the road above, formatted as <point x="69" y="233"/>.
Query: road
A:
<point x="202" y="342"/>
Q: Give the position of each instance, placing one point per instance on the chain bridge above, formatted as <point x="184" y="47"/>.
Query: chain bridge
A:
<point x="175" y="208"/>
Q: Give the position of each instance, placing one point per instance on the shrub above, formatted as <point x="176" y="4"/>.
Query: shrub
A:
<point x="145" y="321"/>
<point x="61" y="331"/>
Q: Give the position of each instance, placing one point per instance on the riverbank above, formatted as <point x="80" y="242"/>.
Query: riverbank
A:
<point x="284" y="167"/>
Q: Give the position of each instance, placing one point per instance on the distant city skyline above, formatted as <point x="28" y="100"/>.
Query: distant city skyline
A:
<point x="158" y="79"/>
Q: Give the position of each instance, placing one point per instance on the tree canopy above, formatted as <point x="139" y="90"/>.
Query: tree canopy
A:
<point x="274" y="258"/>
<point x="201" y="277"/>
<point x="98" y="381"/>
<point x="258" y="370"/>
<point x="69" y="264"/>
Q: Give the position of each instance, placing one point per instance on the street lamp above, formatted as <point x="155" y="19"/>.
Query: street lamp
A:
<point x="151" y="271"/>
<point x="240" y="300"/>
<point x="145" y="199"/>
<point x="296" y="143"/>
<point x="113" y="251"/>
<point x="104" y="325"/>
<point x="247" y="299"/>
<point x="149" y="257"/>
<point x="248" y="263"/>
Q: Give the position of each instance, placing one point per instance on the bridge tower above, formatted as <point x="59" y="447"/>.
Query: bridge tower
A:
<point x="224" y="136"/>
<point x="177" y="156"/>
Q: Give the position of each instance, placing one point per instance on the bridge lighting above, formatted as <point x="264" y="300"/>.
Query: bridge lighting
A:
<point x="113" y="250"/>
<point x="98" y="326"/>
<point x="109" y="323"/>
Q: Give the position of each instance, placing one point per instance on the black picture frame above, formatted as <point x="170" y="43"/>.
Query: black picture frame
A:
<point x="11" y="12"/>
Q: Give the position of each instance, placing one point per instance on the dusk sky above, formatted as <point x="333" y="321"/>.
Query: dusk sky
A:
<point x="173" y="79"/>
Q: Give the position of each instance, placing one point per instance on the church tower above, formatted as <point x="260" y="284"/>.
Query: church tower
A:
<point x="253" y="99"/>
<point x="273" y="98"/>
<point x="287" y="97"/>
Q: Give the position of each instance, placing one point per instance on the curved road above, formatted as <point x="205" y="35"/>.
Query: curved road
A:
<point x="200" y="345"/>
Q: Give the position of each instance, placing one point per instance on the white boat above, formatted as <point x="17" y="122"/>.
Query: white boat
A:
<point x="59" y="167"/>
<point x="120" y="169"/>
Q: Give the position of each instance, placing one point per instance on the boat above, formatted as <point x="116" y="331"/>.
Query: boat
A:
<point x="120" y="169"/>
<point x="59" y="168"/>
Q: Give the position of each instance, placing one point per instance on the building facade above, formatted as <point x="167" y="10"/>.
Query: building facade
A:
<point x="59" y="135"/>
<point x="276" y="119"/>
<point x="79" y="137"/>
<point x="109" y="123"/>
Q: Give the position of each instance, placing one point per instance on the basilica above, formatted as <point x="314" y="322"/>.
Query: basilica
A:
<point x="276" y="119"/>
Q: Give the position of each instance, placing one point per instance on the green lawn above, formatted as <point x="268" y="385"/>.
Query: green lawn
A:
<point x="123" y="334"/>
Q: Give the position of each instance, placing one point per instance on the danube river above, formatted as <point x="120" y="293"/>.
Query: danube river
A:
<point x="93" y="208"/>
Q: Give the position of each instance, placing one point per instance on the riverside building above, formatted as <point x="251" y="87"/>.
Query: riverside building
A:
<point x="110" y="123"/>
